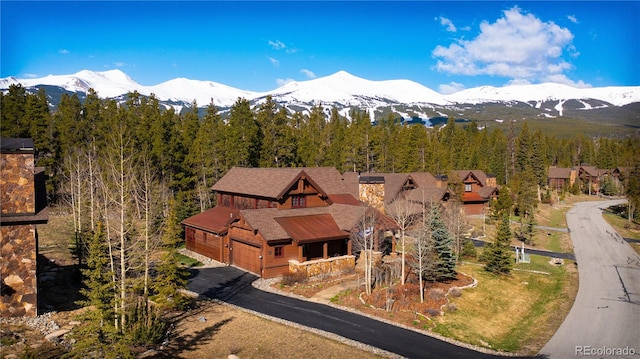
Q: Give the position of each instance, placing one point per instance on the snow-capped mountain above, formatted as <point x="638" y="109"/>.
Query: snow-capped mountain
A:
<point x="617" y="96"/>
<point x="345" y="91"/>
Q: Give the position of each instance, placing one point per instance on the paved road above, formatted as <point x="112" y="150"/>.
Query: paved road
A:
<point x="606" y="313"/>
<point x="232" y="285"/>
<point x="480" y="243"/>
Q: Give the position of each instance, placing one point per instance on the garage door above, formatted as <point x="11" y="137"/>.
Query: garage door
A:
<point x="245" y="256"/>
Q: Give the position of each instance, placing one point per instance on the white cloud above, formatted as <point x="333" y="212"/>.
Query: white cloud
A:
<point x="573" y="19"/>
<point x="273" y="61"/>
<point x="308" y="73"/>
<point x="282" y="82"/>
<point x="277" y="45"/>
<point x="63" y="51"/>
<point x="448" y="23"/>
<point x="119" y="64"/>
<point x="30" y="76"/>
<point x="518" y="46"/>
<point x="451" y="87"/>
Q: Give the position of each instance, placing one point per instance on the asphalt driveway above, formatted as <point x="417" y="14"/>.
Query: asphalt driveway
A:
<point x="605" y="317"/>
<point x="233" y="286"/>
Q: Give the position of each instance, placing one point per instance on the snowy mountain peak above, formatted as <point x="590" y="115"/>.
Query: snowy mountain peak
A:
<point x="341" y="89"/>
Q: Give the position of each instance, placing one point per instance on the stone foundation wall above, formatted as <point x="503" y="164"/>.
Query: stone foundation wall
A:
<point x="18" y="271"/>
<point x="321" y="267"/>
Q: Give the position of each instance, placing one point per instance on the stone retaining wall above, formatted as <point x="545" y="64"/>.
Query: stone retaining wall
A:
<point x="321" y="267"/>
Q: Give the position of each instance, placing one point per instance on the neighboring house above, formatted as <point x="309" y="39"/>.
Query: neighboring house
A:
<point x="618" y="176"/>
<point x="561" y="179"/>
<point x="24" y="206"/>
<point x="382" y="190"/>
<point x="276" y="221"/>
<point x="478" y="189"/>
<point x="590" y="177"/>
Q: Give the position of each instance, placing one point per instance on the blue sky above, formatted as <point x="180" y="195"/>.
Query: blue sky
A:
<point x="257" y="46"/>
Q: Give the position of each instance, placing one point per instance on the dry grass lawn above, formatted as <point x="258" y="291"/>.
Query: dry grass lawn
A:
<point x="516" y="313"/>
<point x="216" y="331"/>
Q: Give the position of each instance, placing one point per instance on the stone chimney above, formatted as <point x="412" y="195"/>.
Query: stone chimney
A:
<point x="20" y="184"/>
<point x="371" y="191"/>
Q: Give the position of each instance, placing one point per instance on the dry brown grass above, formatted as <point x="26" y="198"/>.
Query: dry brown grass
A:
<point x="516" y="313"/>
<point x="216" y="331"/>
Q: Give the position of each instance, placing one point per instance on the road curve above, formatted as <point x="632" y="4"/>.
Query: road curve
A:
<point x="605" y="318"/>
<point x="233" y="286"/>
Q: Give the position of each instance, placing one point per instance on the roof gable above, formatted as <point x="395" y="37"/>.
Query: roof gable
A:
<point x="477" y="175"/>
<point x="271" y="183"/>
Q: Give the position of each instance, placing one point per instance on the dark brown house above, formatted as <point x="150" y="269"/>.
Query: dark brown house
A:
<point x="561" y="179"/>
<point x="22" y="189"/>
<point x="275" y="221"/>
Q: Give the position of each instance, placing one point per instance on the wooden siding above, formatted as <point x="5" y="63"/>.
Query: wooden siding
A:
<point x="472" y="208"/>
<point x="207" y="244"/>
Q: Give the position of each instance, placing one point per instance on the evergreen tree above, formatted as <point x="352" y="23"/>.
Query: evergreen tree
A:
<point x="445" y="266"/>
<point x="278" y="144"/>
<point x="310" y="142"/>
<point x="335" y="137"/>
<point x="498" y="255"/>
<point x="243" y="135"/>
<point x="12" y="120"/>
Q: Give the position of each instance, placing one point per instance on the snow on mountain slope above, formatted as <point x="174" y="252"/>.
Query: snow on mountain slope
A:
<point x="344" y="88"/>
<point x="107" y="84"/>
<point x="618" y="96"/>
<point x="202" y="92"/>
<point x="339" y="88"/>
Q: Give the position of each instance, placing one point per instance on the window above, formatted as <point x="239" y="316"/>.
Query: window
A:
<point x="278" y="251"/>
<point x="467" y="187"/>
<point x="298" y="201"/>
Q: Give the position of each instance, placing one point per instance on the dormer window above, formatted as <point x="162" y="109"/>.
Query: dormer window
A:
<point x="298" y="201"/>
<point x="467" y="187"/>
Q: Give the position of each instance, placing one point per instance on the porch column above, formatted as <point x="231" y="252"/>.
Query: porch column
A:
<point x="300" y="254"/>
<point x="325" y="250"/>
<point x="349" y="247"/>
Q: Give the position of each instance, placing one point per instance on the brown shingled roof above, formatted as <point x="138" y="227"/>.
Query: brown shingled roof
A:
<point x="263" y="182"/>
<point x="558" y="172"/>
<point x="478" y="174"/>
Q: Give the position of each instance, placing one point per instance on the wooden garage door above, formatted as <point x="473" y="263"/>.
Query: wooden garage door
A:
<point x="245" y="256"/>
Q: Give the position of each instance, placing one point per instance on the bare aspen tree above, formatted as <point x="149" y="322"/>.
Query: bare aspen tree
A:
<point x="364" y="240"/>
<point x="147" y="190"/>
<point x="405" y="214"/>
<point x="422" y="258"/>
<point x="456" y="225"/>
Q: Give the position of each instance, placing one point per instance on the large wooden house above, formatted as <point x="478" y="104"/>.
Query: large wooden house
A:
<point x="275" y="221"/>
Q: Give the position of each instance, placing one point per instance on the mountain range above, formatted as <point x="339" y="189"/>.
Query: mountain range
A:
<point x="403" y="98"/>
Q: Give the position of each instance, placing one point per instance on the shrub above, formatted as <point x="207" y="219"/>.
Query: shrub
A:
<point x="450" y="307"/>
<point x="436" y="293"/>
<point x="294" y="278"/>
<point x="455" y="292"/>
<point x="432" y="312"/>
